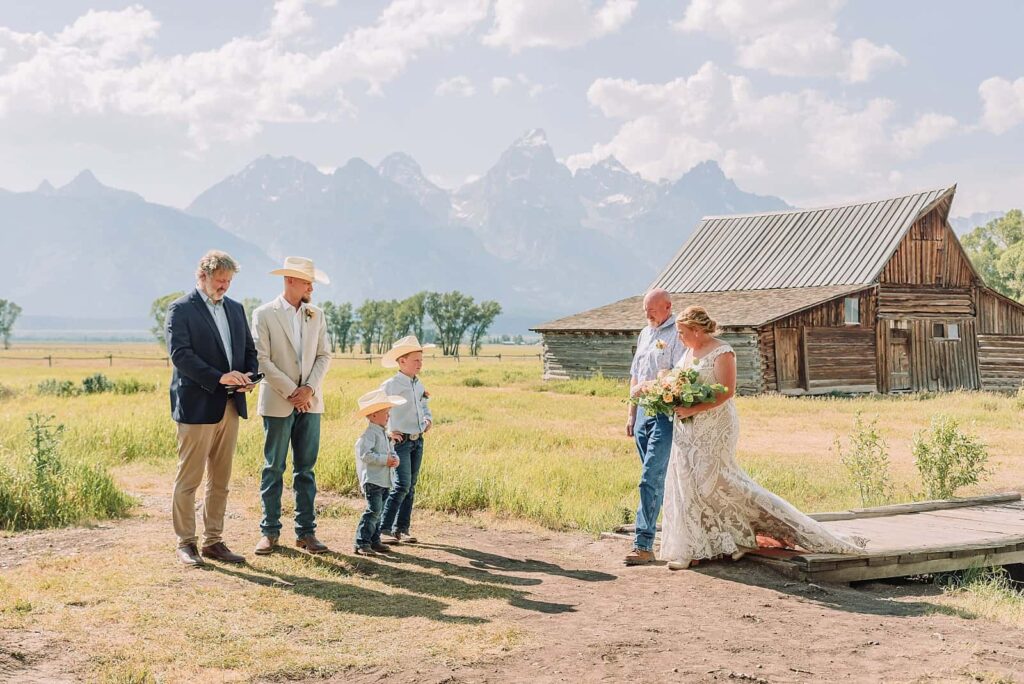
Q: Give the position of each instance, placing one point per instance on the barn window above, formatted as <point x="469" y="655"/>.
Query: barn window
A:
<point x="946" y="331"/>
<point x="851" y="311"/>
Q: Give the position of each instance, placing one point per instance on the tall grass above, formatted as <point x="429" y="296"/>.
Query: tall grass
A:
<point x="46" y="489"/>
<point x="507" y="443"/>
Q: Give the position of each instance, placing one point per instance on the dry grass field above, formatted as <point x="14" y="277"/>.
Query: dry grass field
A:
<point x="519" y="477"/>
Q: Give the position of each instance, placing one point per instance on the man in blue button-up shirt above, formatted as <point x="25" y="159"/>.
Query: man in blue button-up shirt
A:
<point x="657" y="349"/>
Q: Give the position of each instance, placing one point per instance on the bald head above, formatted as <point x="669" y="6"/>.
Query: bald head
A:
<point x="657" y="307"/>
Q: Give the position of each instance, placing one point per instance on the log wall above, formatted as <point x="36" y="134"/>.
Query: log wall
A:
<point x="929" y="254"/>
<point x="896" y="301"/>
<point x="1001" y="362"/>
<point x="998" y="315"/>
<point x="840" y="359"/>
<point x="586" y="354"/>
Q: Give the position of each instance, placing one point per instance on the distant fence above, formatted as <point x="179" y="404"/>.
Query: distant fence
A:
<point x="52" y="360"/>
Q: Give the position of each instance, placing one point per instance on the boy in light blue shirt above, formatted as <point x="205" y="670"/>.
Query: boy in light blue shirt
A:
<point x="375" y="457"/>
<point x="407" y="425"/>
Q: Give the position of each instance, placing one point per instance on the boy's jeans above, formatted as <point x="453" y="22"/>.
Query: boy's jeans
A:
<point x="398" y="508"/>
<point x="368" y="530"/>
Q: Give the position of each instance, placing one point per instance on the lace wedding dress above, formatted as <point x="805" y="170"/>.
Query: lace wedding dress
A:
<point x="712" y="507"/>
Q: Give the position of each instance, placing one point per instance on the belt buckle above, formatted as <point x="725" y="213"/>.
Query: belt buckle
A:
<point x="413" y="436"/>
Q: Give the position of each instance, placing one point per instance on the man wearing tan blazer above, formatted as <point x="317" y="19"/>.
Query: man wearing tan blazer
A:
<point x="294" y="354"/>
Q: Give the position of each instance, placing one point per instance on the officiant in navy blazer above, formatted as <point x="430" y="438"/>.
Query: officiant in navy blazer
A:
<point x="211" y="347"/>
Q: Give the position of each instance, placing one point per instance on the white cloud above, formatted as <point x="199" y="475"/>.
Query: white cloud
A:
<point x="459" y="86"/>
<point x="520" y="24"/>
<point x="789" y="37"/>
<point x="291" y="18"/>
<point x="102" y="64"/>
<point x="500" y="84"/>
<point x="798" y="143"/>
<point x="1003" y="103"/>
<point x="928" y="129"/>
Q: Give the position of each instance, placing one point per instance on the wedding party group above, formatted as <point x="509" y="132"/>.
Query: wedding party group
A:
<point x="218" y="358"/>
<point x="684" y="421"/>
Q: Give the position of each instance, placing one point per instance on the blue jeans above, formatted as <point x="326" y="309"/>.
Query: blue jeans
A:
<point x="653" y="436"/>
<point x="302" y="430"/>
<point x="398" y="507"/>
<point x="368" y="530"/>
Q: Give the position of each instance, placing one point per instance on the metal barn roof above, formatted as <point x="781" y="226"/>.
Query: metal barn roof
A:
<point x="842" y="245"/>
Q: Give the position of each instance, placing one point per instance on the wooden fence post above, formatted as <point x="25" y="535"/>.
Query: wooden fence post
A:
<point x="49" y="361"/>
<point x="110" y="358"/>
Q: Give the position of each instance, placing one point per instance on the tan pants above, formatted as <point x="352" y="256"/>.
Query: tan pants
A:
<point x="209" y="447"/>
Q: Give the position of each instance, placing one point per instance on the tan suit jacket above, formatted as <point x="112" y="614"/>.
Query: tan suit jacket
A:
<point x="272" y="333"/>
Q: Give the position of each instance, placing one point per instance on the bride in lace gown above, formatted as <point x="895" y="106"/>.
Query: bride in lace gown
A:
<point x="712" y="507"/>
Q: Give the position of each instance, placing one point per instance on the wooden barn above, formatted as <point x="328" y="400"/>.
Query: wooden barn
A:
<point x="871" y="297"/>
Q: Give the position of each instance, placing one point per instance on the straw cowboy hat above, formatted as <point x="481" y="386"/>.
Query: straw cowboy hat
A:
<point x="378" y="399"/>
<point x="301" y="267"/>
<point x="406" y="345"/>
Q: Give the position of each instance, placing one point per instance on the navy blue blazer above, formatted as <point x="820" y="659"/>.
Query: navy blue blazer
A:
<point x="197" y="352"/>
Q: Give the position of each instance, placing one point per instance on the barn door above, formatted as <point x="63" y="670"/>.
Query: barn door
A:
<point x="788" y="358"/>
<point x="899" y="360"/>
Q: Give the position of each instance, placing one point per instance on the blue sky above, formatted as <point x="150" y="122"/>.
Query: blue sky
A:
<point x="816" y="101"/>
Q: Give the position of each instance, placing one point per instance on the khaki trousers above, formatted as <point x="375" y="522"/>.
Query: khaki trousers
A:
<point x="210" y="448"/>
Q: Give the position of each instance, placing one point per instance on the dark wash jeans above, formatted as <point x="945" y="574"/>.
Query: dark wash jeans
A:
<point x="368" y="530"/>
<point x="653" y="436"/>
<point x="398" y="508"/>
<point x="302" y="431"/>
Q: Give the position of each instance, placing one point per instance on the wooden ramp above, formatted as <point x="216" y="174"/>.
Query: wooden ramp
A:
<point x="911" y="539"/>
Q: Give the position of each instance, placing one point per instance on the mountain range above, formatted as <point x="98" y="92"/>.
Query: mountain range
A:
<point x="530" y="233"/>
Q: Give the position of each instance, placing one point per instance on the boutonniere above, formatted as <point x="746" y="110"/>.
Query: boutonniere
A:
<point x="309" y="314"/>
<point x="660" y="344"/>
<point x="426" y="394"/>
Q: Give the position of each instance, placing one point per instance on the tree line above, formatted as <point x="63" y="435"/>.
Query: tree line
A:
<point x="444" y="318"/>
<point x="997" y="251"/>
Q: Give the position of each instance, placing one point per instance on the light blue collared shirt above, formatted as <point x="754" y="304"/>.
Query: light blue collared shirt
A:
<point x="372" y="451"/>
<point x="412" y="416"/>
<point x="649" y="359"/>
<point x="220" y="317"/>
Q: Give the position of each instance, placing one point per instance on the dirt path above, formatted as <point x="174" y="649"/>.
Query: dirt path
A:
<point x="589" y="619"/>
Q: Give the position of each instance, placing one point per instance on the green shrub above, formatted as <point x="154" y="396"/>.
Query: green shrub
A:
<point x="948" y="458"/>
<point x="473" y="381"/>
<point x="57" y="388"/>
<point x="7" y="392"/>
<point x="867" y="460"/>
<point x="97" y="384"/>
<point x="1019" y="398"/>
<point x="46" y="490"/>
<point x="132" y="386"/>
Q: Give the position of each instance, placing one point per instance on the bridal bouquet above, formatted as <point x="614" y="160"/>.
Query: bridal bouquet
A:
<point x="673" y="388"/>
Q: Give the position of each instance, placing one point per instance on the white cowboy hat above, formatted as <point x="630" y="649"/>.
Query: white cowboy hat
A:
<point x="378" y="399"/>
<point x="406" y="345"/>
<point x="301" y="267"/>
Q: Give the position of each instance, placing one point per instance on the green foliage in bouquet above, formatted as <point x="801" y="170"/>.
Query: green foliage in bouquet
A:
<point x="677" y="387"/>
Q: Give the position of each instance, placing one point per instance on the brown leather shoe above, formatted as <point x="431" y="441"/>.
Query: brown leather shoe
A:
<point x="189" y="555"/>
<point x="265" y="546"/>
<point x="639" y="557"/>
<point x="380" y="548"/>
<point x="311" y="544"/>
<point x="221" y="552"/>
<point x="405" y="538"/>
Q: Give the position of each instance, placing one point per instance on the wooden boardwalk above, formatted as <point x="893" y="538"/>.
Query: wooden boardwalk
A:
<point x="911" y="539"/>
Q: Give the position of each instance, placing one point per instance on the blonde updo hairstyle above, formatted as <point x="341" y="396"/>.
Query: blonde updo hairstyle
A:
<point x="697" y="317"/>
